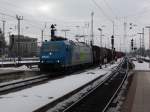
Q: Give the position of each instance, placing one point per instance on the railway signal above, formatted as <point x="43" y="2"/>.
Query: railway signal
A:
<point x="132" y="47"/>
<point x="112" y="41"/>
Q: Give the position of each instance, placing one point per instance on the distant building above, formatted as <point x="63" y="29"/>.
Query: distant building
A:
<point x="2" y="43"/>
<point x="23" y="46"/>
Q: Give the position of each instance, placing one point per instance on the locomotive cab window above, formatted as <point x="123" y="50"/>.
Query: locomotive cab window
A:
<point x="52" y="48"/>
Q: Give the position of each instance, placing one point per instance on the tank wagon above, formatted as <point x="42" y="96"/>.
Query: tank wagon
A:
<point x="64" y="54"/>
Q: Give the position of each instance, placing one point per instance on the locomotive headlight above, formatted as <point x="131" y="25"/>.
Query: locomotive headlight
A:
<point x="58" y="61"/>
<point x="50" y="53"/>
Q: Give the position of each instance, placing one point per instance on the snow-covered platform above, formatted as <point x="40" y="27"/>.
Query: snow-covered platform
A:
<point x="30" y="99"/>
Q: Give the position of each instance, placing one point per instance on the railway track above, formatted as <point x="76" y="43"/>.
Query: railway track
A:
<point x="8" y="86"/>
<point x="18" y="84"/>
<point x="100" y="98"/>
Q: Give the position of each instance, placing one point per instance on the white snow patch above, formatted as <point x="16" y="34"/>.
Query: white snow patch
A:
<point x="24" y="68"/>
<point x="77" y="96"/>
<point x="15" y="62"/>
<point x="21" y="68"/>
<point x="30" y="99"/>
<point x="141" y="66"/>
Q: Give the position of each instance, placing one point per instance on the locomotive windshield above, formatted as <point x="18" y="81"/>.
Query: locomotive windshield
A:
<point x="51" y="47"/>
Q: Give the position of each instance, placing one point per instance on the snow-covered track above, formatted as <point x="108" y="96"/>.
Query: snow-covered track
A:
<point x="110" y="103"/>
<point x="100" y="98"/>
<point x="7" y="86"/>
<point x="67" y="101"/>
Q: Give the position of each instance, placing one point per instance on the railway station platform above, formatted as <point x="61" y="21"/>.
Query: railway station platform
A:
<point x="141" y="101"/>
<point x="138" y="98"/>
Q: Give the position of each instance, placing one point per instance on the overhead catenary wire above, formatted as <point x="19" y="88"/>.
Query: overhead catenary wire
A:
<point x="110" y="8"/>
<point x="104" y="13"/>
<point x="26" y="20"/>
<point x="101" y="9"/>
<point x="8" y="15"/>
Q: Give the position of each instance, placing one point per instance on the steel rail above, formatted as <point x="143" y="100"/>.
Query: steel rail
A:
<point x="112" y="98"/>
<point x="117" y="69"/>
<point x="20" y="83"/>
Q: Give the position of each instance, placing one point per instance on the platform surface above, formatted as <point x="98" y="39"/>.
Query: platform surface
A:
<point x="141" y="100"/>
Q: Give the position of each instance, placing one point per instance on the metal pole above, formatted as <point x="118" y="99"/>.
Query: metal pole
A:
<point x="149" y="43"/>
<point x="113" y="28"/>
<point x="65" y="31"/>
<point x="19" y="18"/>
<point x="101" y="38"/>
<point x="65" y="34"/>
<point x="18" y="36"/>
<point x="149" y="46"/>
<point x="143" y="42"/>
<point x="92" y="33"/>
<point x="3" y="47"/>
<point x="108" y="42"/>
<point x="125" y="36"/>
<point x="42" y="32"/>
<point x="140" y="44"/>
<point x="100" y="47"/>
<point x="4" y="27"/>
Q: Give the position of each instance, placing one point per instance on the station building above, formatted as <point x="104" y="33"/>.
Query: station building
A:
<point x="22" y="46"/>
<point x="2" y="43"/>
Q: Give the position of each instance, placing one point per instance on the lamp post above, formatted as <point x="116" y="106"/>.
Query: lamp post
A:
<point x="149" y="43"/>
<point x="19" y="18"/>
<point x="100" y="36"/>
<point x="100" y="47"/>
<point x="140" y="43"/>
<point x="92" y="32"/>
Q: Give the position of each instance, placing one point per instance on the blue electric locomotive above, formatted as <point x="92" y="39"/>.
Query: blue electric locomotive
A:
<point x="55" y="55"/>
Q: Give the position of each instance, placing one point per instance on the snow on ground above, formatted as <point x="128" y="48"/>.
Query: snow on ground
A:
<point x="11" y="69"/>
<point x="32" y="98"/>
<point x="147" y="58"/>
<point x="15" y="62"/>
<point x="141" y="66"/>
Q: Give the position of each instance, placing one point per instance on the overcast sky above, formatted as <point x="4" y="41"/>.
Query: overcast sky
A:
<point x="68" y="14"/>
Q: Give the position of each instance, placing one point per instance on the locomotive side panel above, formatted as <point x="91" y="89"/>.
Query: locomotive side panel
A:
<point x="81" y="54"/>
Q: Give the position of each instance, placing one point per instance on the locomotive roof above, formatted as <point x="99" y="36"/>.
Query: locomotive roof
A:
<point x="70" y="42"/>
<point x="79" y="43"/>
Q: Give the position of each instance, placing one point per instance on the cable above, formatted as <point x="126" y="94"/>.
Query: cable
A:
<point x="32" y="24"/>
<point x="26" y="20"/>
<point x="103" y="12"/>
<point x="110" y="8"/>
<point x="4" y="14"/>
